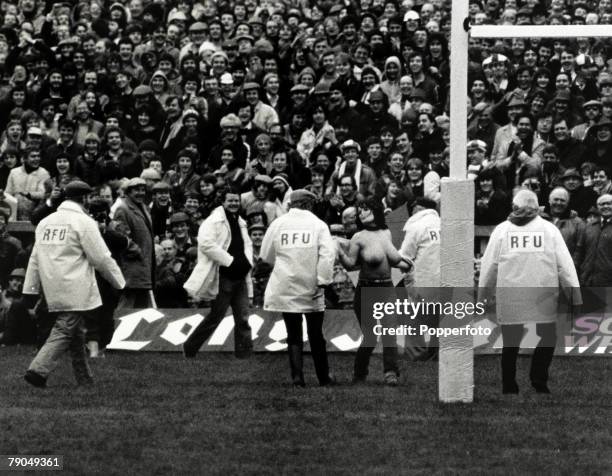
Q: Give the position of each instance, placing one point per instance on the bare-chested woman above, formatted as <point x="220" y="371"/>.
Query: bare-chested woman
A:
<point x="372" y="250"/>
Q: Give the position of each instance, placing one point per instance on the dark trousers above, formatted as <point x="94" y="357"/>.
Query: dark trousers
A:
<point x="362" y="358"/>
<point x="100" y="323"/>
<point x="295" y="344"/>
<point x="232" y="292"/>
<point x="540" y="361"/>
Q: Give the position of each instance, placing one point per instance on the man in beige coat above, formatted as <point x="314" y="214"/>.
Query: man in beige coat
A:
<point x="68" y="250"/>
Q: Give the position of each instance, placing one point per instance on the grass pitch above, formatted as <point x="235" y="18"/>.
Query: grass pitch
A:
<point x="157" y="414"/>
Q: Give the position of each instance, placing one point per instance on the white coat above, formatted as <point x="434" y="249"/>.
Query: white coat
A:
<point x="527" y="264"/>
<point x="68" y="250"/>
<point x="422" y="245"/>
<point x="302" y="251"/>
<point x="214" y="238"/>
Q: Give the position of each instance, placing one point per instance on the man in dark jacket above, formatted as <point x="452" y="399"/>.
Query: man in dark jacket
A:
<point x="596" y="269"/>
<point x="581" y="198"/>
<point x="138" y="262"/>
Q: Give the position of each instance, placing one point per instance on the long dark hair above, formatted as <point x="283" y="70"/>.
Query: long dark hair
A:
<point x="378" y="210"/>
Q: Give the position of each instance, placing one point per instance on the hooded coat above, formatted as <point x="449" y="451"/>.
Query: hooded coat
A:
<point x="302" y="251"/>
<point x="528" y="263"/>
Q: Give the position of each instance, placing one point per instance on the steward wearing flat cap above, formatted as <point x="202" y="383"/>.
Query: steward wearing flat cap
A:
<point x="68" y="249"/>
<point x="302" y="252"/>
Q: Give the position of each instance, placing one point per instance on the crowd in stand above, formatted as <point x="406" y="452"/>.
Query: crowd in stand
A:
<point x="347" y="99"/>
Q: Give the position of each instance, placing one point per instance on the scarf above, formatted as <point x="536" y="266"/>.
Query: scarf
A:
<point x="357" y="174"/>
<point x="522" y="216"/>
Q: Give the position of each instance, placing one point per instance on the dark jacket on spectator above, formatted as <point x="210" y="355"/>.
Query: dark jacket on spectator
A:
<point x="582" y="199"/>
<point x="137" y="263"/>
<point x="596" y="269"/>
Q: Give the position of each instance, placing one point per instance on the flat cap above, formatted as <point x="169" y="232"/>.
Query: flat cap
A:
<point x="321" y="88"/>
<point x="250" y="85"/>
<point x="231" y="120"/>
<point x="150" y="174"/>
<point x="160" y="187"/>
<point x="477" y="144"/>
<point x="562" y="96"/>
<point x="135" y="182"/>
<point x="142" y="90"/>
<point x="18" y="273"/>
<point x="350" y="144"/>
<point x="261" y="178"/>
<point x="300" y="88"/>
<point x="179" y="217"/>
<point x="571" y="172"/>
<point x="592" y="102"/>
<point x="301" y="195"/>
<point x="34" y="131"/>
<point x="77" y="188"/>
<point x="198" y="26"/>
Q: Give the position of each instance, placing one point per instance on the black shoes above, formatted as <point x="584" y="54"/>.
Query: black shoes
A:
<point x="540" y="387"/>
<point x="188" y="353"/>
<point x="510" y="389"/>
<point x="298" y="381"/>
<point x="35" y="379"/>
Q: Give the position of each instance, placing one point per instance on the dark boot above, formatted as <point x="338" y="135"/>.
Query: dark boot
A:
<point x="296" y="363"/>
<point x="540" y="363"/>
<point x="362" y="362"/>
<point x="508" y="363"/>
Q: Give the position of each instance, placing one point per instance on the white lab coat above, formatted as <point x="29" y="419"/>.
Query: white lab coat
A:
<point x="527" y="264"/>
<point x="422" y="245"/>
<point x="67" y="251"/>
<point x="214" y="238"/>
<point x="302" y="251"/>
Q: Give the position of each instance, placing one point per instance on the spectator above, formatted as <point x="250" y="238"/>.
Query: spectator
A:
<point x="581" y="198"/>
<point x="572" y="227"/>
<point x="492" y="203"/>
<point x="596" y="269"/>
<point x="224" y="261"/>
<point x="138" y="262"/>
<point x="26" y="183"/>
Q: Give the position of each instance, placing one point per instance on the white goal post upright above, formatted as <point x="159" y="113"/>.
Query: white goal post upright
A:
<point x="456" y="356"/>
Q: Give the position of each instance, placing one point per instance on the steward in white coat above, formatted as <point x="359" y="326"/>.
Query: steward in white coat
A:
<point x="68" y="250"/>
<point x="222" y="273"/>
<point x="300" y="248"/>
<point x="528" y="261"/>
<point x="421" y="245"/>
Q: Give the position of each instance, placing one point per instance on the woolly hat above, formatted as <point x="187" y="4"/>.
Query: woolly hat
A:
<point x="282" y="178"/>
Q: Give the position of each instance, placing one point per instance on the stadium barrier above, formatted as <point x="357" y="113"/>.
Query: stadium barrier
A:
<point x="165" y="330"/>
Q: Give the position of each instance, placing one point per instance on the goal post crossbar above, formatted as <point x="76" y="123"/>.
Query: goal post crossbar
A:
<point x="540" y="31"/>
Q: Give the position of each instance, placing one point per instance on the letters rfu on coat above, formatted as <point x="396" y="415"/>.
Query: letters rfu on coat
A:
<point x="525" y="241"/>
<point x="54" y="234"/>
<point x="296" y="239"/>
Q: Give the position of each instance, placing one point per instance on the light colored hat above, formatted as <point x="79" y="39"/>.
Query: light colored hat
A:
<point x="301" y="195"/>
<point x="411" y="15"/>
<point x="231" y="120"/>
<point x="135" y="182"/>
<point x="350" y="144"/>
<point x="226" y="78"/>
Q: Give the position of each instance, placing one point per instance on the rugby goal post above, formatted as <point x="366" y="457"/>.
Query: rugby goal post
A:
<point x="456" y="354"/>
